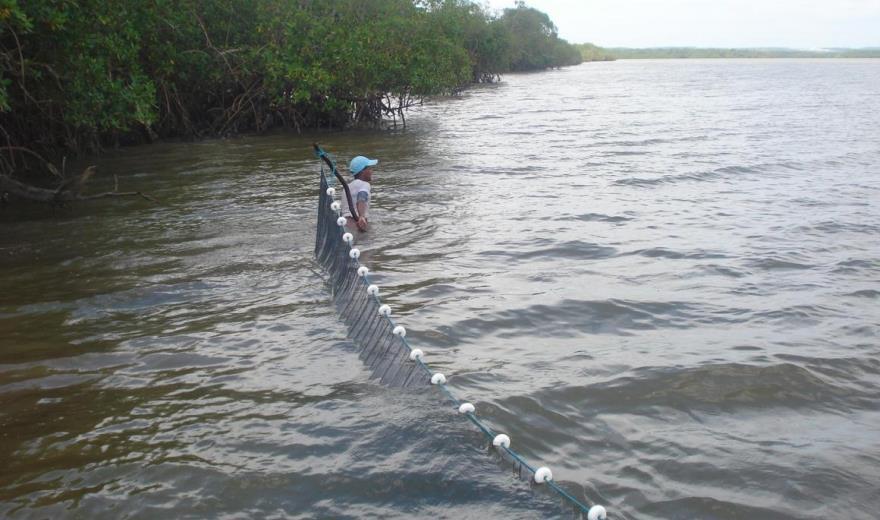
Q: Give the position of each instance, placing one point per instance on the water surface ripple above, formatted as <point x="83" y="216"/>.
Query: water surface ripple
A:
<point x="660" y="278"/>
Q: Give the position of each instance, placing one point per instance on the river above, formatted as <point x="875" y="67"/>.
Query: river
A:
<point x="660" y="278"/>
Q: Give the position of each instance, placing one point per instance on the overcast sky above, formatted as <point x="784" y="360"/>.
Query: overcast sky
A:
<point x="801" y="24"/>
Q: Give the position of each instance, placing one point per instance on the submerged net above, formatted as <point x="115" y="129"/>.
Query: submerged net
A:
<point x="387" y="354"/>
<point x="382" y="344"/>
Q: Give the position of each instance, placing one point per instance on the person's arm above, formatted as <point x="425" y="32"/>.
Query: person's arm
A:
<point x="362" y="198"/>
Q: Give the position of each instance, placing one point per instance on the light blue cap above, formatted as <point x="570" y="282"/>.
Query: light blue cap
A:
<point x="359" y="163"/>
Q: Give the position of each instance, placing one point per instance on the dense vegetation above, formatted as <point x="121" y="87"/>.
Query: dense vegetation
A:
<point x="78" y="75"/>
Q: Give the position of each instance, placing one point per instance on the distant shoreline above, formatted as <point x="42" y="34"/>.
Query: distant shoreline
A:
<point x="591" y="52"/>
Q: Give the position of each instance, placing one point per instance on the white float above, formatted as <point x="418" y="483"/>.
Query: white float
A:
<point x="597" y="513"/>
<point x="501" y="440"/>
<point x="543" y="474"/>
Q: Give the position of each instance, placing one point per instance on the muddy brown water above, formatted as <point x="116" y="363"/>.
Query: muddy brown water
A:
<point x="660" y="278"/>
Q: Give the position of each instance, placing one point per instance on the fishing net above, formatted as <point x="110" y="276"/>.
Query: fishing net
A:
<point x="382" y="344"/>
<point x="384" y="352"/>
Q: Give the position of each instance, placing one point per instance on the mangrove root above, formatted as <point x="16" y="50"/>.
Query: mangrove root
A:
<point x="69" y="191"/>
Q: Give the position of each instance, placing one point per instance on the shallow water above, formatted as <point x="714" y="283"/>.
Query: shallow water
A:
<point x="660" y="278"/>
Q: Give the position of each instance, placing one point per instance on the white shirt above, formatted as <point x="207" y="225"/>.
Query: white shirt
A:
<point x="360" y="189"/>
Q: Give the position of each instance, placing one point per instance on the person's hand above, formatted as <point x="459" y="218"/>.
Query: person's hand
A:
<point x="362" y="223"/>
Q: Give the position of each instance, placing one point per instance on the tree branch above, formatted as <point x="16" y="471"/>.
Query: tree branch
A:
<point x="51" y="167"/>
<point x="69" y="191"/>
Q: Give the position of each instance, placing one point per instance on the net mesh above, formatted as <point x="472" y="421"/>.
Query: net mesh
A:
<point x="385" y="353"/>
<point x="388" y="354"/>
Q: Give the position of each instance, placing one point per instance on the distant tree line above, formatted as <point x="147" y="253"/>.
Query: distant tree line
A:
<point x="78" y="75"/>
<point x="590" y="52"/>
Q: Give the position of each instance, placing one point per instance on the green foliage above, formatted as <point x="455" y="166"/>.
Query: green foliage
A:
<point x="590" y="52"/>
<point x="534" y="43"/>
<point x="77" y="74"/>
<point x="72" y="70"/>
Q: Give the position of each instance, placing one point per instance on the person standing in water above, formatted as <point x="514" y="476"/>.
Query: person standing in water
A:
<point x="362" y="170"/>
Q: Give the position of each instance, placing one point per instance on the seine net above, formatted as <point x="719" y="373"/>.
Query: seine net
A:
<point x="384" y="352"/>
<point x="383" y="347"/>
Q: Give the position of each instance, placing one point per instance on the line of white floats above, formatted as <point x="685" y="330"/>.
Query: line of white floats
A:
<point x="542" y="474"/>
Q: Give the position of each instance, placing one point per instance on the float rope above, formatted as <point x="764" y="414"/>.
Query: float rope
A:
<point x="332" y="165"/>
<point x="540" y="475"/>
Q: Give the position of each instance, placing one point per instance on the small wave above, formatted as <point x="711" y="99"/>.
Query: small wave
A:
<point x="571" y="318"/>
<point x="506" y="170"/>
<point x="738" y="169"/>
<point x="868" y="264"/>
<point x="669" y="179"/>
<point x="831" y="226"/>
<point x="855" y="265"/>
<point x="705" y="175"/>
<point x="49" y="381"/>
<point x="864" y="331"/>
<point x="624" y="152"/>
<point x="570" y="249"/>
<point x="840" y="368"/>
<point x="774" y="263"/>
<point x="865" y="293"/>
<point x="799" y="313"/>
<point x="718" y="385"/>
<point x="599" y="217"/>
<point x="725" y="270"/>
<point x="709" y="507"/>
<point x="661" y="252"/>
<point x="638" y="142"/>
